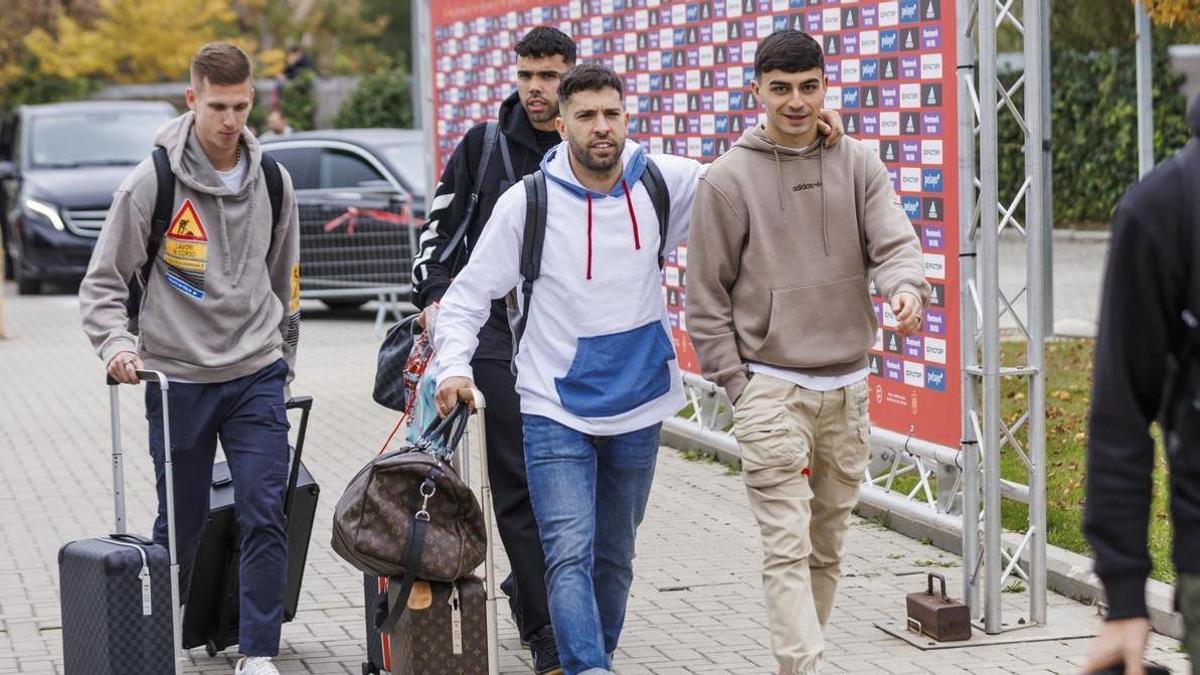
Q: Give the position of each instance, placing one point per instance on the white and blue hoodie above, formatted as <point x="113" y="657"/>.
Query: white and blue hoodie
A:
<point x="597" y="354"/>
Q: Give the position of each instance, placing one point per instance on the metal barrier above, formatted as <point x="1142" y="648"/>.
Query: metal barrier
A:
<point x="356" y="247"/>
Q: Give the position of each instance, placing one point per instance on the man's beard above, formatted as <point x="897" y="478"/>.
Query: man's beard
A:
<point x="584" y="156"/>
<point x="546" y="115"/>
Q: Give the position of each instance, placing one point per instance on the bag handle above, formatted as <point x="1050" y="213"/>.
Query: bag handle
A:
<point x="447" y="433"/>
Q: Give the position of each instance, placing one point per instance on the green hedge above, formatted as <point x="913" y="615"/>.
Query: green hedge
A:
<point x="382" y="99"/>
<point x="1094" y="136"/>
<point x="298" y="100"/>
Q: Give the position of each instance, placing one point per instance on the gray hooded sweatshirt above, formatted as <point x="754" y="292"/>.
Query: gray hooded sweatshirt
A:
<point x="218" y="304"/>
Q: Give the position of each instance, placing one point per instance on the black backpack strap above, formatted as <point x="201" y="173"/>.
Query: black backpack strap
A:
<point x="506" y="156"/>
<point x="274" y="176"/>
<point x="160" y="220"/>
<point x="164" y="203"/>
<point x="660" y="197"/>
<point x="491" y="135"/>
<point x="532" y="244"/>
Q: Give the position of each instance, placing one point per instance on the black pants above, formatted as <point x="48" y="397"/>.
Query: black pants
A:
<point x="510" y="494"/>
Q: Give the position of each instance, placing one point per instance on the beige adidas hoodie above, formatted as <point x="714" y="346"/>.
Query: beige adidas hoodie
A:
<point x="781" y="244"/>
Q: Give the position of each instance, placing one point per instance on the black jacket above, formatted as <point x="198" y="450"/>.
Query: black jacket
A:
<point x="431" y="278"/>
<point x="1146" y="290"/>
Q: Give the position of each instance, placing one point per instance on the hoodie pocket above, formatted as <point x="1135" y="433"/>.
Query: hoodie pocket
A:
<point x="819" y="325"/>
<point x="615" y="373"/>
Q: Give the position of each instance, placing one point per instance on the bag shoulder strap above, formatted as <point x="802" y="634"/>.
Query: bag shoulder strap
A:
<point x="506" y="156"/>
<point x="491" y="136"/>
<point x="274" y="176"/>
<point x="532" y="244"/>
<point x="164" y="202"/>
<point x="660" y="196"/>
<point x="416" y="546"/>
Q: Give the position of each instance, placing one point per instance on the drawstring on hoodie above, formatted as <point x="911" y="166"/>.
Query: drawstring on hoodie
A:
<point x="821" y="178"/>
<point x="245" y="254"/>
<point x="779" y="178"/>
<point x="637" y="239"/>
<point x="780" y="188"/>
<point x="589" y="262"/>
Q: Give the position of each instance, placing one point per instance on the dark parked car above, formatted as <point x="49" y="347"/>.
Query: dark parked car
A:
<point x="59" y="167"/>
<point x="361" y="193"/>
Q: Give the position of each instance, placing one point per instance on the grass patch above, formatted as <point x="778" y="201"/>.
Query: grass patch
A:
<point x="698" y="456"/>
<point x="1068" y="397"/>
<point x="1013" y="587"/>
<point x="947" y="564"/>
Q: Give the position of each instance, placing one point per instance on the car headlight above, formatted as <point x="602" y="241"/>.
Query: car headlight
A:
<point x="47" y="211"/>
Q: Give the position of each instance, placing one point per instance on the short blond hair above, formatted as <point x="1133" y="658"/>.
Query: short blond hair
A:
<point x="220" y="63"/>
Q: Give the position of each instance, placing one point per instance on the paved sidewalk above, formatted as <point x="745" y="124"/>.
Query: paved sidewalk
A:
<point x="697" y="601"/>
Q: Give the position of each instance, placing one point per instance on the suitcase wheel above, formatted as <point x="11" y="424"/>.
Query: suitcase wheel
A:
<point x="369" y="669"/>
<point x="211" y="648"/>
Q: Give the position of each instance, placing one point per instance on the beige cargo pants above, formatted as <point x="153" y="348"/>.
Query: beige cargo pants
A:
<point x="804" y="454"/>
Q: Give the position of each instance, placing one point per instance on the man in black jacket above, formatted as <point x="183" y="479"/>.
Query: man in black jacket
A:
<point x="527" y="124"/>
<point x="1147" y="369"/>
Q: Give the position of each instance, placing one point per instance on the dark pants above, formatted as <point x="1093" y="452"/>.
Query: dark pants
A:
<point x="249" y="417"/>
<point x="510" y="494"/>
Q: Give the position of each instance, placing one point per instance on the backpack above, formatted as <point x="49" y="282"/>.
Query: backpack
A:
<point x="535" y="240"/>
<point x="492" y="137"/>
<point x="164" y="204"/>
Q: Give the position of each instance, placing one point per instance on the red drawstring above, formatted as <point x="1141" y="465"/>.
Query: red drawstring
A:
<point x="637" y="240"/>
<point x="589" y="262"/>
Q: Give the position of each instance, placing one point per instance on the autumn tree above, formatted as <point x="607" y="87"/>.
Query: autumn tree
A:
<point x="1174" y="12"/>
<point x="130" y="40"/>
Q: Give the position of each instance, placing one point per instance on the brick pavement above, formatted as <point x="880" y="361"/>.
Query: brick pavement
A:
<point x="696" y="605"/>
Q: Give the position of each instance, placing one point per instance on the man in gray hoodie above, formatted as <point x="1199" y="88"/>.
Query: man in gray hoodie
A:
<point x="779" y="311"/>
<point x="219" y="316"/>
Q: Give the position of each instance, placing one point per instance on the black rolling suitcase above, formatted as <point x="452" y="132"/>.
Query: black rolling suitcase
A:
<point x="120" y="593"/>
<point x="211" y="616"/>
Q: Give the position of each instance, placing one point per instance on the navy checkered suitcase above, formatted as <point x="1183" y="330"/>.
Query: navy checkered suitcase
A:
<point x="120" y="593"/>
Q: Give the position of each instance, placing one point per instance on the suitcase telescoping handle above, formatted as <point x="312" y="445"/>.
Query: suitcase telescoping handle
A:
<point x="479" y="434"/>
<point x="169" y="478"/>
<point x="304" y="403"/>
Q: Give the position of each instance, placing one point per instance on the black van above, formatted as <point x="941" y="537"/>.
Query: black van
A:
<point x="59" y="167"/>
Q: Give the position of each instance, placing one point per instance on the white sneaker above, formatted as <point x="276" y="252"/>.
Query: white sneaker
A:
<point x="255" y="665"/>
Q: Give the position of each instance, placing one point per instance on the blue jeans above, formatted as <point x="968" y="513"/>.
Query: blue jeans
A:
<point x="589" y="495"/>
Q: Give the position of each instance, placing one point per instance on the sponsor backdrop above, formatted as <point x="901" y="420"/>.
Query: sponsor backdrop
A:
<point x="687" y="67"/>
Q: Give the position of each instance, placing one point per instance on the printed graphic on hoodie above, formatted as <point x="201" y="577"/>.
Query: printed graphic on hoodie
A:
<point x="185" y="252"/>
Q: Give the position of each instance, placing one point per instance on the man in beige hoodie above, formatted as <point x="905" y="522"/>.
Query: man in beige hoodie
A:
<point x="785" y="232"/>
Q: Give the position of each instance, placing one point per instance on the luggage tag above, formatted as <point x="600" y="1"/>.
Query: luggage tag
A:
<point x="147" y="605"/>
<point x="455" y="621"/>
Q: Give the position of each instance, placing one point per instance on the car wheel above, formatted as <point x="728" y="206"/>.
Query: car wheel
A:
<point x="345" y="303"/>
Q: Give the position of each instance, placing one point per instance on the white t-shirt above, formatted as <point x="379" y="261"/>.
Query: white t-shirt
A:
<point x="233" y="178"/>
<point x="812" y="382"/>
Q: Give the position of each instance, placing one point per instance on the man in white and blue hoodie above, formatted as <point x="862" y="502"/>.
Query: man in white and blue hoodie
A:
<point x="596" y="367"/>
